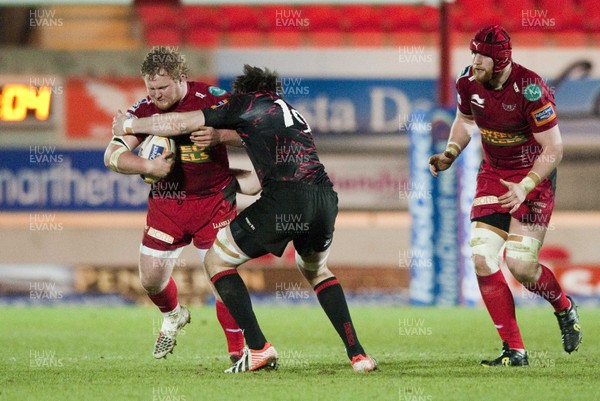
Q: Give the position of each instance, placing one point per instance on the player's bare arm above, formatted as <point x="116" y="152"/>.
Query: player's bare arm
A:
<point x="119" y="157"/>
<point x="460" y="135"/>
<point x="208" y="136"/>
<point x="167" y="124"/>
<point x="552" y="152"/>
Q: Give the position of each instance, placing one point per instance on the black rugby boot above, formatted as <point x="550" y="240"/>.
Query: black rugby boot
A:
<point x="568" y="321"/>
<point x="509" y="357"/>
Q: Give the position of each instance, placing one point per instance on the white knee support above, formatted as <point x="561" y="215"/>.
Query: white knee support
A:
<point x="488" y="244"/>
<point x="225" y="247"/>
<point x="172" y="254"/>
<point x="523" y="248"/>
<point x="314" y="263"/>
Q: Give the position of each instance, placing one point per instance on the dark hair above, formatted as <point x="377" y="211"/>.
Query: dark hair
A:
<point x="167" y="59"/>
<point x="255" y="79"/>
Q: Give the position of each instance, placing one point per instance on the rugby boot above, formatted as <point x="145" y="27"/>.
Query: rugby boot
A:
<point x="509" y="357"/>
<point x="568" y="321"/>
<point x="171" y="327"/>
<point x="252" y="360"/>
<point x="363" y="363"/>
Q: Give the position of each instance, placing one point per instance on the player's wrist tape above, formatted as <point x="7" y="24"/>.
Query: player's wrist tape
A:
<point x="530" y="181"/>
<point x="114" y="158"/>
<point x="453" y="149"/>
<point x="128" y="126"/>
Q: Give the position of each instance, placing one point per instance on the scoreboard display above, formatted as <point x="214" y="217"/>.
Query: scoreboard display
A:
<point x="27" y="105"/>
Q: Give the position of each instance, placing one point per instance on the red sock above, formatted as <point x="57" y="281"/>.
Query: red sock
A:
<point x="501" y="306"/>
<point x="233" y="333"/>
<point x="548" y="288"/>
<point x="166" y="300"/>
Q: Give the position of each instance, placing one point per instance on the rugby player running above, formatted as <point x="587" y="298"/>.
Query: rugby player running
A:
<point x="522" y="146"/>
<point x="295" y="186"/>
<point x="193" y="193"/>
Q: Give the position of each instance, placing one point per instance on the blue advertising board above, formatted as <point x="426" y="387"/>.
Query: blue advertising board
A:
<point x="441" y="270"/>
<point x="355" y="106"/>
<point x="49" y="178"/>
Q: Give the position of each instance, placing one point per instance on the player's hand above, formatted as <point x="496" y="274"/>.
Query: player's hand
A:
<point x="440" y="162"/>
<point x="162" y="165"/>
<point x="514" y="197"/>
<point x="205" y="137"/>
<point x="117" y="124"/>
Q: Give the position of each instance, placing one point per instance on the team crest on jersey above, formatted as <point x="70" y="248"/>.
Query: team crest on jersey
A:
<point x="544" y="114"/>
<point x="216" y="91"/>
<point x="532" y="92"/>
<point x="509" y="107"/>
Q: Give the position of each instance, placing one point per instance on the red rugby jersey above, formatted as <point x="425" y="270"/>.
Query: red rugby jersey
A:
<point x="508" y="117"/>
<point x="198" y="171"/>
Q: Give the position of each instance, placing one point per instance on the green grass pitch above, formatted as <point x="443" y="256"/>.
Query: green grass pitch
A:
<point x="425" y="354"/>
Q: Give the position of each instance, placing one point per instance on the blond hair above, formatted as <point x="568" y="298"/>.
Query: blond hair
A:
<point x="167" y="59"/>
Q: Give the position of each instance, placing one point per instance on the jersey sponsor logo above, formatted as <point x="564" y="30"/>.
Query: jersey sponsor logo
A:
<point x="477" y="100"/>
<point x="501" y="138"/>
<point x="509" y="107"/>
<point x="221" y="103"/>
<point x="485" y="200"/>
<point x="159" y="235"/>
<point x="200" y="95"/>
<point x="544" y="114"/>
<point x="221" y="224"/>
<point x="216" y="91"/>
<point x="532" y="92"/>
<point x="194" y="154"/>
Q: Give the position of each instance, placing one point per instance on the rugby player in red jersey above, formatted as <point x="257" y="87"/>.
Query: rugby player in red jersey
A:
<point x="193" y="197"/>
<point x="296" y="187"/>
<point x="514" y="110"/>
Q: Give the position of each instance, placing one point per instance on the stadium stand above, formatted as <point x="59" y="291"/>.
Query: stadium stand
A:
<point x="169" y="22"/>
<point x="86" y="27"/>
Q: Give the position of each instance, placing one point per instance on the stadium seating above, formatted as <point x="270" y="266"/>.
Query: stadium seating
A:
<point x="161" y="22"/>
<point x="322" y="25"/>
<point x="281" y="33"/>
<point x="242" y="25"/>
<point x="202" y="25"/>
<point x="84" y="27"/>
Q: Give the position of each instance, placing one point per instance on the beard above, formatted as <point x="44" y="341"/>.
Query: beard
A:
<point x="482" y="76"/>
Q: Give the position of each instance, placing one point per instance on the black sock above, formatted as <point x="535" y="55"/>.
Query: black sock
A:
<point x="234" y="294"/>
<point x="332" y="300"/>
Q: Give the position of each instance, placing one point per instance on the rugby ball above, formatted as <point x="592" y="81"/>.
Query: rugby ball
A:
<point x="153" y="146"/>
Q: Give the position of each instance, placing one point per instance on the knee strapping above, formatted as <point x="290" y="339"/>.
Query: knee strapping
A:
<point x="313" y="266"/>
<point x="226" y="250"/>
<point x="523" y="248"/>
<point x="172" y="254"/>
<point x="487" y="244"/>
